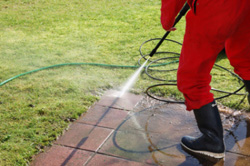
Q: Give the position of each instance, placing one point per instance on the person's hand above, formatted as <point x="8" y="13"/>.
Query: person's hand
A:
<point x="169" y="11"/>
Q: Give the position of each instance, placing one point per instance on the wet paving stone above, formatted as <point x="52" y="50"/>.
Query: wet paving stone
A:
<point x="139" y="131"/>
<point x="152" y="136"/>
<point x="84" y="136"/>
<point x="238" y="139"/>
<point x="151" y="153"/>
<point x="59" y="155"/>
<point x="232" y="159"/>
<point x="104" y="116"/>
<point x="127" y="102"/>
<point x="113" y="161"/>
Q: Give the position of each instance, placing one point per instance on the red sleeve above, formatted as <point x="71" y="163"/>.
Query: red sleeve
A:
<point x="169" y="10"/>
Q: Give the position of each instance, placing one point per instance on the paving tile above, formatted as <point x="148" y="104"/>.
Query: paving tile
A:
<point x="128" y="101"/>
<point x="172" y="156"/>
<point x="148" y="134"/>
<point x="152" y="136"/>
<point x="104" y="116"/>
<point x="177" y="156"/>
<point x="59" y="155"/>
<point x="84" y="136"/>
<point x="238" y="141"/>
<point x="232" y="159"/>
<point x="147" y="152"/>
<point x="99" y="159"/>
<point x="161" y="119"/>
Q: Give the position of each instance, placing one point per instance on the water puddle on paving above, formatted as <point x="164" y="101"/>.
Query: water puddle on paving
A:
<point x="152" y="134"/>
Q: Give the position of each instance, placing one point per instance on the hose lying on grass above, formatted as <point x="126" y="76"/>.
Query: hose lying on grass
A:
<point x="152" y="64"/>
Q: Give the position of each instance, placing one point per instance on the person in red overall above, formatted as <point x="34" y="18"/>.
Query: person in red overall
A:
<point x="211" y="26"/>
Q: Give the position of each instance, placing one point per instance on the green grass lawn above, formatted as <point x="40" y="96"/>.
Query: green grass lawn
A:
<point x="36" y="108"/>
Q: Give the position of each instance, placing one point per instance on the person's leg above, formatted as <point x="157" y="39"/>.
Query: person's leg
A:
<point x="238" y="50"/>
<point x="198" y="55"/>
<point x="205" y="36"/>
<point x="197" y="59"/>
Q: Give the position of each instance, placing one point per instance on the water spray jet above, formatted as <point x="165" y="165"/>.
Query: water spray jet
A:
<point x="136" y="74"/>
<point x="131" y="80"/>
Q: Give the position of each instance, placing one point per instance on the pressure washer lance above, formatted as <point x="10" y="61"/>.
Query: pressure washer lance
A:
<point x="181" y="14"/>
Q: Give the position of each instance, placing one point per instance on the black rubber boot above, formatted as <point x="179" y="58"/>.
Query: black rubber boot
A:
<point x="247" y="84"/>
<point x="211" y="142"/>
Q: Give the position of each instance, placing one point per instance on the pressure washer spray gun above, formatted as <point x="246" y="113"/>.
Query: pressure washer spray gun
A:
<point x="181" y="14"/>
<point x="135" y="75"/>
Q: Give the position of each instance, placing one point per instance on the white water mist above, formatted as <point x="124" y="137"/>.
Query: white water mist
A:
<point x="131" y="80"/>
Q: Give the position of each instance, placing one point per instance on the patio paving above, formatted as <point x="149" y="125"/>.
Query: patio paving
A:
<point x="137" y="131"/>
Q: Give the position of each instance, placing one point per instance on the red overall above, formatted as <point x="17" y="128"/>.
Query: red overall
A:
<point x="215" y="25"/>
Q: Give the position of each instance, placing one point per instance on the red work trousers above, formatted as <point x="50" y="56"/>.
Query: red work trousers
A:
<point x="217" y="24"/>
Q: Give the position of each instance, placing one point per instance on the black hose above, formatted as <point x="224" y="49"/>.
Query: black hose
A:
<point x="171" y="81"/>
<point x="154" y="51"/>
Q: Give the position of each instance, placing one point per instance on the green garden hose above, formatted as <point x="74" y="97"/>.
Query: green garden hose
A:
<point x="68" y="64"/>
